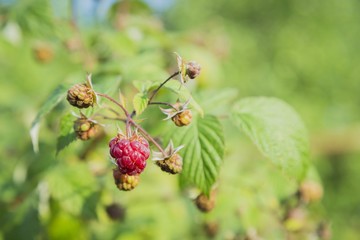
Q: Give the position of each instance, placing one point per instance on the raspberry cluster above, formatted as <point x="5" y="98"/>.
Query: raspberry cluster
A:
<point x="130" y="153"/>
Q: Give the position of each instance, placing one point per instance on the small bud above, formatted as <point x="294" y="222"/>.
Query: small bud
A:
<point x="179" y="113"/>
<point x="85" y="129"/>
<point x="182" y="118"/>
<point x="172" y="164"/>
<point x="116" y="211"/>
<point x="211" y="229"/>
<point x="204" y="203"/>
<point x="324" y="231"/>
<point x="125" y="182"/>
<point x="43" y="53"/>
<point x="169" y="160"/>
<point x="81" y="96"/>
<point x="310" y="191"/>
<point x="295" y="219"/>
<point x="192" y="69"/>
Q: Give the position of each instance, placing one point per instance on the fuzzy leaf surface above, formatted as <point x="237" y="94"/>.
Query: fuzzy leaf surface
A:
<point x="203" y="151"/>
<point x="67" y="134"/>
<point x="51" y="102"/>
<point x="140" y="102"/>
<point x="277" y="130"/>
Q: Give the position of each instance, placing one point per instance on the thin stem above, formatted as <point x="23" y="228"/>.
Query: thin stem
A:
<point x="128" y="127"/>
<point x="162" y="103"/>
<point x="129" y="121"/>
<point x="114" y="101"/>
<point x="161" y="85"/>
<point x="133" y="113"/>
<point x="113" y="118"/>
<point x="147" y="135"/>
<point x="113" y="110"/>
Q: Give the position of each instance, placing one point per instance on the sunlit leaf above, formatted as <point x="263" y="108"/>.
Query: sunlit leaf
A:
<point x="144" y="86"/>
<point x="203" y="151"/>
<point x="140" y="102"/>
<point x="71" y="185"/>
<point x="55" y="97"/>
<point x="67" y="134"/>
<point x="217" y="100"/>
<point x="277" y="130"/>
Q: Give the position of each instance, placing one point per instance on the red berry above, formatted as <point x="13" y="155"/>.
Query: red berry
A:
<point x="130" y="154"/>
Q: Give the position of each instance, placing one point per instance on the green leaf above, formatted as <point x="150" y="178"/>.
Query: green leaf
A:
<point x="277" y="130"/>
<point x="67" y="134"/>
<point x="71" y="185"/>
<point x="109" y="85"/>
<point x="140" y="102"/>
<point x="66" y="124"/>
<point x="203" y="151"/>
<point x="217" y="101"/>
<point x="64" y="141"/>
<point x="55" y="97"/>
<point x="144" y="86"/>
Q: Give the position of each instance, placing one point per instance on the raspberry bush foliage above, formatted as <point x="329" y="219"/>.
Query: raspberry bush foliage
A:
<point x="191" y="142"/>
<point x="140" y="135"/>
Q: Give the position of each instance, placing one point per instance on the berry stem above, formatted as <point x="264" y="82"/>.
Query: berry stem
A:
<point x="161" y="85"/>
<point x="113" y="118"/>
<point x="114" y="101"/>
<point x="162" y="103"/>
<point x="128" y="126"/>
<point x="147" y="135"/>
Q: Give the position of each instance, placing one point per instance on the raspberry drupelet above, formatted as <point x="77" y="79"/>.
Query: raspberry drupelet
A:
<point x="130" y="153"/>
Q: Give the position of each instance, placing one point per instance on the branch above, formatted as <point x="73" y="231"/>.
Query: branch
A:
<point x="161" y="85"/>
<point x="147" y="135"/>
<point x="114" y="101"/>
<point x="162" y="103"/>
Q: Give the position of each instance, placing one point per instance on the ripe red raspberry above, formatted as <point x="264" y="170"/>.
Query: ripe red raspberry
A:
<point x="130" y="153"/>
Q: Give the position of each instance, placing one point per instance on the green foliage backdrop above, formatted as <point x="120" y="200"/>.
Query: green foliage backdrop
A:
<point x="303" y="52"/>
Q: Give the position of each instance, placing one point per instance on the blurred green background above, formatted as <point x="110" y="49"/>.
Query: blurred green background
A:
<point x="304" y="52"/>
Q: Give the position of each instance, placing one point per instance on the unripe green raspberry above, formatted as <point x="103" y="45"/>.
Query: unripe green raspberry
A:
<point x="171" y="165"/>
<point x="85" y="129"/>
<point x="183" y="118"/>
<point x="80" y="96"/>
<point x="125" y="182"/>
<point x="116" y="212"/>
